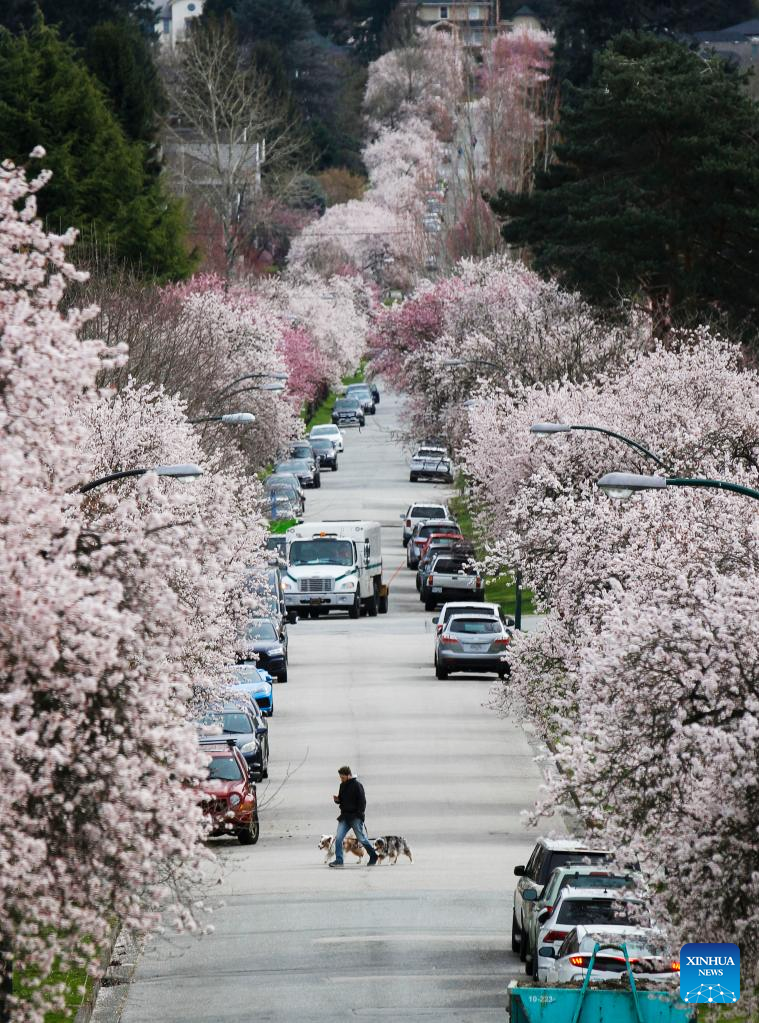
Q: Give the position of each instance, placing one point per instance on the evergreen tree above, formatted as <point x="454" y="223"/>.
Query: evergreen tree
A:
<point x="583" y="27"/>
<point x="119" y="54"/>
<point x="75" y="18"/>
<point x="655" y="192"/>
<point x="280" y="23"/>
<point x="99" y="183"/>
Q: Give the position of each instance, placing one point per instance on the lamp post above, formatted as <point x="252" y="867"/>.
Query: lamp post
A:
<point x="622" y="485"/>
<point x="185" y="472"/>
<point x="545" y="429"/>
<point x="230" y="419"/>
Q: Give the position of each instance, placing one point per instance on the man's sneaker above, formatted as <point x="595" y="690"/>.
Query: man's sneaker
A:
<point x="335" y="863"/>
<point x="373" y="861"/>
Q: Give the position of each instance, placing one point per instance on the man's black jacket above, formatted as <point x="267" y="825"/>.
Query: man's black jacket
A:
<point x="351" y="799"/>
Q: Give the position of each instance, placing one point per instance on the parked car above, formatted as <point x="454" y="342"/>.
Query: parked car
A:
<point x="469" y="607"/>
<point x="304" y="469"/>
<point x="375" y="393"/>
<point x="228" y="796"/>
<point x="348" y="412"/>
<point x="647" y="950"/>
<point x="276" y="544"/>
<point x="289" y="485"/>
<point x="302" y="449"/>
<point x="325" y="450"/>
<point x="257" y="683"/>
<point x="588" y="906"/>
<point x="283" y="505"/>
<point x="450" y="576"/>
<point x="431" y="464"/>
<point x="548" y="854"/>
<point x="237" y="722"/>
<point x="266" y="641"/>
<point x="331" y="432"/>
<point x="362" y="394"/>
<point x="419" y="512"/>
<point x="472" y="645"/>
<point x="600" y="875"/>
<point x="266" y="585"/>
<point x="420" y="533"/>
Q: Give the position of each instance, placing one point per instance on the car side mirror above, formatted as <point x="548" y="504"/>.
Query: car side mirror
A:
<point x="529" y="895"/>
<point x="519" y="871"/>
<point x="547" y="952"/>
<point x="436" y="620"/>
<point x="401" y="516"/>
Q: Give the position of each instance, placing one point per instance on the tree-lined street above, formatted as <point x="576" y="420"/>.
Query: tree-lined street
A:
<point x="413" y="941"/>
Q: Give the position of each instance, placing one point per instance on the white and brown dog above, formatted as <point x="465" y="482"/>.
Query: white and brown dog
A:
<point x="350" y="844"/>
<point x="390" y="847"/>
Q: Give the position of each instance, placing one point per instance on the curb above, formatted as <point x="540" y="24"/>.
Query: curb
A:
<point x="112" y="992"/>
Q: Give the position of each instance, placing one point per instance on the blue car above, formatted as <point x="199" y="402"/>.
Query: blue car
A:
<point x="257" y="683"/>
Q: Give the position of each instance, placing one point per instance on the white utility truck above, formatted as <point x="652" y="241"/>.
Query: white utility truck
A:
<point x="334" y="566"/>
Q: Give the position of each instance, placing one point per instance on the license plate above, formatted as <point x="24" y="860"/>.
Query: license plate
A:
<point x="437" y="589"/>
<point x="317" y="600"/>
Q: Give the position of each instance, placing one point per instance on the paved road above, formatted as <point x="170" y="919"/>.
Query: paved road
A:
<point x="429" y="940"/>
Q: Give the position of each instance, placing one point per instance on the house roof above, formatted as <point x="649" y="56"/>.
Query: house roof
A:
<point x="524" y="12"/>
<point x="733" y="33"/>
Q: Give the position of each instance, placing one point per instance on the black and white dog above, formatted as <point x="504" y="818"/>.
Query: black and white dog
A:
<point x="390" y="847"/>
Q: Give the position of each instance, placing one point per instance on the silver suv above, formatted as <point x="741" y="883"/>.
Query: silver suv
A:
<point x="420" y="511"/>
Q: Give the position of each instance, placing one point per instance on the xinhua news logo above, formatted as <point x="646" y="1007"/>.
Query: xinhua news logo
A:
<point x="710" y="972"/>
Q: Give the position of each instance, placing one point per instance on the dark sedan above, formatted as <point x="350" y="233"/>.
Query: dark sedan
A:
<point x="260" y="637"/>
<point x="348" y="412"/>
<point x="326" y="451"/>
<point x="236" y="721"/>
<point x="303" y="469"/>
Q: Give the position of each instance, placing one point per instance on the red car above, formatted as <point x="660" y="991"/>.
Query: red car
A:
<point x="229" y="796"/>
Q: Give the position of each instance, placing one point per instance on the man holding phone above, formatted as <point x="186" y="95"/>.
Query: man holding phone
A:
<point x="352" y="802"/>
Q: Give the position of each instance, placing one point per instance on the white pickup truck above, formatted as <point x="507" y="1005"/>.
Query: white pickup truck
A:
<point x="334" y="566"/>
<point x="451" y="578"/>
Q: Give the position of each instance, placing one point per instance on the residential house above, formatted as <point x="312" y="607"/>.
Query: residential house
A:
<point x="172" y="18"/>
<point x="738" y="44"/>
<point x="470" y="20"/>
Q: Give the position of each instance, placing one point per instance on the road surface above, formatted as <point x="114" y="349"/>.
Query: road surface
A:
<point x="297" y="942"/>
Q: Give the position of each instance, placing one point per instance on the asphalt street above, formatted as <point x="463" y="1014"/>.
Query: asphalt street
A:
<point x="296" y="941"/>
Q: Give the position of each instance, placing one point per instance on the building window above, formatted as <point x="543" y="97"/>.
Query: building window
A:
<point x="166" y="26"/>
<point x="474" y="14"/>
<point x="443" y="13"/>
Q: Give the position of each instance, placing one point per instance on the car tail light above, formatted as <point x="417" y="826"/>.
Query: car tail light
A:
<point x="430" y="580"/>
<point x="503" y="641"/>
<point x="578" y="960"/>
<point x="448" y="639"/>
<point x="478" y="582"/>
<point x="555" y="936"/>
<point x="674" y="966"/>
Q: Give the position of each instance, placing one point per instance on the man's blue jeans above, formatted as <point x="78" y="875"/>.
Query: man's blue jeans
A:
<point x="357" y="826"/>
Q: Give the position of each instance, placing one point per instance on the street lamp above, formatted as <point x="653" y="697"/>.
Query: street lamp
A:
<point x="230" y="419"/>
<point x="545" y="429"/>
<point x="179" y="472"/>
<point x="622" y="485"/>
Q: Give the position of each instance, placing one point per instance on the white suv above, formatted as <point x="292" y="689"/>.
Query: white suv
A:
<point x="420" y="511"/>
<point x="329" y="431"/>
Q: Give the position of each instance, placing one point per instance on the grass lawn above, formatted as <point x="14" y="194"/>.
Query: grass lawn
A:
<point x="498" y="589"/>
<point x="74" y="980"/>
<point x="323" y="414"/>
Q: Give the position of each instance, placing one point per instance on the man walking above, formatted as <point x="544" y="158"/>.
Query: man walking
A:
<point x="352" y="802"/>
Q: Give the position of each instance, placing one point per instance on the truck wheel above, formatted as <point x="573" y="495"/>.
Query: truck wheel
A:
<point x="355" y="608"/>
<point x="292" y="617"/>
<point x="430" y="603"/>
<point x="372" y="606"/>
<point x="383" y="604"/>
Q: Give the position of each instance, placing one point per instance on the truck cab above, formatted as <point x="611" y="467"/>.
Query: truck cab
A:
<point x="334" y="566"/>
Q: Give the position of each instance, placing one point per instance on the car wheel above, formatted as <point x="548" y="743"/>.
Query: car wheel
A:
<point x="282" y="677"/>
<point x="292" y="617"/>
<point x="535" y="967"/>
<point x="355" y="608"/>
<point x="383" y="604"/>
<point x="259" y="776"/>
<point x="430" y="603"/>
<point x="418" y="584"/>
<point x="404" y="541"/>
<point x="266" y="770"/>
<point x="522" y="944"/>
<point x="318" y="482"/>
<point x="440" y="671"/>
<point x="412" y="477"/>
<point x="528" y="965"/>
<point x="249" y="835"/>
<point x="514" y="933"/>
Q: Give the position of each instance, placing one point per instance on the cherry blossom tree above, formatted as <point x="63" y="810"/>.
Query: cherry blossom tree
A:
<point x="119" y="610"/>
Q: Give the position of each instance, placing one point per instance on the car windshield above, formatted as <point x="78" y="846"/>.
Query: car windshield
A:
<point x="324" y="431"/>
<point x="260" y="630"/>
<point x="561" y="858"/>
<point x="355" y="389"/>
<point x="474" y="626"/>
<point x="323" y="443"/>
<point x="597" y="911"/>
<point x="346" y="405"/>
<point x="248" y="676"/>
<point x="321" y="551"/>
<point x="295" y="465"/>
<point x="282" y="479"/>
<point x="224" y="769"/>
<point x="595" y="881"/>
<point x="429" y="528"/>
<point x="232" y="722"/>
<point x="429" y="453"/>
<point x="425" y="511"/>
